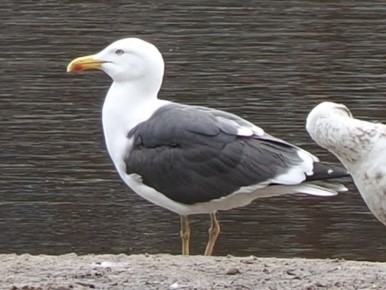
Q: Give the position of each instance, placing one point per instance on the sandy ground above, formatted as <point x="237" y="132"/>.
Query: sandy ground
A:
<point x="178" y="272"/>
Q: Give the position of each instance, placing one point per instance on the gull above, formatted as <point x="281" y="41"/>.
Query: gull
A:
<point x="359" y="145"/>
<point x="192" y="159"/>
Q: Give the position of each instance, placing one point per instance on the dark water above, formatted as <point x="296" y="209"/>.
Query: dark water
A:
<point x="269" y="61"/>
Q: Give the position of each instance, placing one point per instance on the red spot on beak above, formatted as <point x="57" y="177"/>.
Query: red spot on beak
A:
<point x="78" y="67"/>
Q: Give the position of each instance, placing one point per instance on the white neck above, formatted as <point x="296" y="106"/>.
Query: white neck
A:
<point x="346" y="137"/>
<point x="128" y="94"/>
<point x="126" y="105"/>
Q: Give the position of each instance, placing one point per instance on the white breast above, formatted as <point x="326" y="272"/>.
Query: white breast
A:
<point x="120" y="114"/>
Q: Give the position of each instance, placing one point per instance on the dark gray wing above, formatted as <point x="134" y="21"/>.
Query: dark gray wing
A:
<point x="191" y="155"/>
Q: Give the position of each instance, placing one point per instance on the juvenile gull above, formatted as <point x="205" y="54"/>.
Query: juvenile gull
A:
<point x="359" y="145"/>
<point x="191" y="159"/>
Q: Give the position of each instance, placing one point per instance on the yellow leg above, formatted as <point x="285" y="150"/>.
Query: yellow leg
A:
<point x="185" y="234"/>
<point x="214" y="231"/>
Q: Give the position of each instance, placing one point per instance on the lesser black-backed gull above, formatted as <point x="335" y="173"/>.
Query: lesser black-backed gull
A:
<point x="191" y="159"/>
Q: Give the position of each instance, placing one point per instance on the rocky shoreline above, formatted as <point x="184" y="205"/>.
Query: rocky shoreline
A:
<point x="69" y="272"/>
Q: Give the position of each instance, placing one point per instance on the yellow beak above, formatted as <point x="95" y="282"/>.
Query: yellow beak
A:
<point x="84" y="63"/>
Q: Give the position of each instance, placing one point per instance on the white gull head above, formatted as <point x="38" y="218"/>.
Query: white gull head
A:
<point x="325" y="111"/>
<point x="326" y="121"/>
<point x="133" y="60"/>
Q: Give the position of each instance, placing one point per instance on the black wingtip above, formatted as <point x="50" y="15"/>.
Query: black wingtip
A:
<point x="327" y="171"/>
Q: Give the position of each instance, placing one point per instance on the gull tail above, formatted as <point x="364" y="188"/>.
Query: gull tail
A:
<point x="321" y="188"/>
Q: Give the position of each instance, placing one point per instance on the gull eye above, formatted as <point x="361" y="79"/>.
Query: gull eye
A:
<point x="119" y="52"/>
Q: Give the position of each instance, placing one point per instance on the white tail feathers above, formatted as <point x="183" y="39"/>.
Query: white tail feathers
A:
<point x="321" y="188"/>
